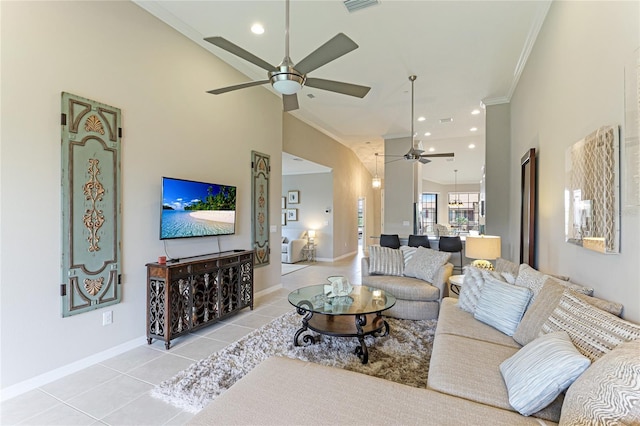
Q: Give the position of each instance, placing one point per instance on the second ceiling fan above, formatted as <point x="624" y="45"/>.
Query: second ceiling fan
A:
<point x="288" y="78"/>
<point x="415" y="154"/>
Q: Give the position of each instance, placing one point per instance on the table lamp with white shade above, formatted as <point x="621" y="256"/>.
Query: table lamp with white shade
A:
<point x="483" y="248"/>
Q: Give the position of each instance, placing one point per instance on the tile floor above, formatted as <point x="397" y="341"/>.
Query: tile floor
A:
<point x="117" y="391"/>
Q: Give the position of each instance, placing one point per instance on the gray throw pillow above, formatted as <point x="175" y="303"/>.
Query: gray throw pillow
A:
<point x="425" y="263"/>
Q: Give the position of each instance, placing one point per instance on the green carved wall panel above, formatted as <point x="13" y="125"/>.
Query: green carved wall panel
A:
<point x="91" y="205"/>
<point x="260" y="175"/>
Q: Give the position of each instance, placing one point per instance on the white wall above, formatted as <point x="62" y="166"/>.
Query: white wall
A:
<point x="118" y="54"/>
<point x="398" y="189"/>
<point x="316" y="194"/>
<point x="572" y="84"/>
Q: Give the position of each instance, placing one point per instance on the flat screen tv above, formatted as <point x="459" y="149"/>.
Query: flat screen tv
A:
<point x="196" y="209"/>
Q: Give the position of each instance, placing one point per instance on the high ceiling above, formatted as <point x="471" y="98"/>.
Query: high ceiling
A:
<point x="465" y="54"/>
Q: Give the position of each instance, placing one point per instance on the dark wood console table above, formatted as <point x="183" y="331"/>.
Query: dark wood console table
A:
<point x="186" y="295"/>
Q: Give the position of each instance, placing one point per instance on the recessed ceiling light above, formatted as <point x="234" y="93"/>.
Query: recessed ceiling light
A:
<point x="421" y="118"/>
<point x="427" y="134"/>
<point x="475" y="112"/>
<point x="432" y="149"/>
<point x="471" y="146"/>
<point x="473" y="129"/>
<point x="257" y="28"/>
<point x="446" y="120"/>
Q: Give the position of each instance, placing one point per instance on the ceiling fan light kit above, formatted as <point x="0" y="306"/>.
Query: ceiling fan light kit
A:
<point x="288" y="80"/>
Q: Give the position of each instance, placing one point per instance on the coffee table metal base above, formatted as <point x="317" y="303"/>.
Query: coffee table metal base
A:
<point x="357" y="325"/>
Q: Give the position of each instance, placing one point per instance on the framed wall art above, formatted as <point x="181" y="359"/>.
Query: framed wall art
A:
<point x="592" y="191"/>
<point x="292" y="214"/>
<point x="294" y="197"/>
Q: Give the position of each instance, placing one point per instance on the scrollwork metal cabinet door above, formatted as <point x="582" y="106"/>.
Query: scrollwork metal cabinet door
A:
<point x="91" y="206"/>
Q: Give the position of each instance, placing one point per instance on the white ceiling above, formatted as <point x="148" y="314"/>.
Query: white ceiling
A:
<point x="464" y="53"/>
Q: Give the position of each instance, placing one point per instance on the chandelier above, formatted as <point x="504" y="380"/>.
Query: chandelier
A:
<point x="455" y="203"/>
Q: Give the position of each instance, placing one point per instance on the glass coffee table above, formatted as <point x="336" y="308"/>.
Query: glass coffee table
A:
<point x="357" y="314"/>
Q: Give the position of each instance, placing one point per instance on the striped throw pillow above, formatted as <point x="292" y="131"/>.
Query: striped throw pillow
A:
<point x="593" y="331"/>
<point x="502" y="305"/>
<point x="385" y="261"/>
<point x="541" y="370"/>
<point x="407" y="253"/>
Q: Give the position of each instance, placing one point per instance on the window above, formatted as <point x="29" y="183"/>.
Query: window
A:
<point x="464" y="216"/>
<point x="428" y="212"/>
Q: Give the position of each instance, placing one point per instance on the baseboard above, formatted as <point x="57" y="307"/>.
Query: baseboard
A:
<point x="344" y="256"/>
<point x="267" y="290"/>
<point x="53" y="375"/>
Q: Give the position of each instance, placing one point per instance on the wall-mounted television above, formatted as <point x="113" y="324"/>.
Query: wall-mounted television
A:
<point x="196" y="209"/>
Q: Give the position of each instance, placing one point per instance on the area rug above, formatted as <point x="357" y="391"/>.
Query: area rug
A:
<point x="402" y="356"/>
<point x="288" y="268"/>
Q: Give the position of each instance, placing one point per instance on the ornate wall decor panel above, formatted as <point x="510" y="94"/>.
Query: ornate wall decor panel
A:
<point x="592" y="191"/>
<point x="91" y="200"/>
<point x="261" y="171"/>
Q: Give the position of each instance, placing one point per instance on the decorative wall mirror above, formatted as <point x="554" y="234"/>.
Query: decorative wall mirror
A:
<point x="528" y="208"/>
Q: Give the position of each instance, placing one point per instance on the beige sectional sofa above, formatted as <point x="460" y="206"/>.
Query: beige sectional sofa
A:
<point x="466" y="384"/>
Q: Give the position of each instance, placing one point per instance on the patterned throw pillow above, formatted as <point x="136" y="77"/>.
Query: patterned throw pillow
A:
<point x="502" y="305"/>
<point x="540" y="371"/>
<point x="593" y="331"/>
<point x="544" y="305"/>
<point x="407" y="253"/>
<point x="607" y="393"/>
<point x="471" y="289"/>
<point x="385" y="261"/>
<point x="531" y="279"/>
<point x="425" y="263"/>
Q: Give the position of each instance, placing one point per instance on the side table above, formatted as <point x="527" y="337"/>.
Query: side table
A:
<point x="455" y="283"/>
<point x="309" y="251"/>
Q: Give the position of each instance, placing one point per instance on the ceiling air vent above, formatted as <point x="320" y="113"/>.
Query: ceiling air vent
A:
<point x="354" y="5"/>
<point x="446" y="120"/>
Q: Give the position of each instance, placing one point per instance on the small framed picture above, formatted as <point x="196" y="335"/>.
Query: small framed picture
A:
<point x="294" y="197"/>
<point x="283" y="218"/>
<point x="283" y="203"/>
<point x="292" y="214"/>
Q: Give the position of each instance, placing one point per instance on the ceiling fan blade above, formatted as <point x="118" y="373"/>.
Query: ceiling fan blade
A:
<point x="447" y="154"/>
<point x="225" y="44"/>
<point x="392" y="161"/>
<point x="236" y="87"/>
<point x="290" y="102"/>
<point x="424" y="160"/>
<point x="331" y="50"/>
<point x="338" y="87"/>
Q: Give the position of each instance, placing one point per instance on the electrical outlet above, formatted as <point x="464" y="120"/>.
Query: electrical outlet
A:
<point x="107" y="318"/>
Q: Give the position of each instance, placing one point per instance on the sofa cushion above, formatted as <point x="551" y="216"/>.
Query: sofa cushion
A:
<point x="403" y="287"/>
<point x="506" y="266"/>
<point x="593" y="331"/>
<point x="540" y="371"/>
<point x="502" y="305"/>
<point x="544" y="305"/>
<point x="270" y="395"/>
<point x="425" y="263"/>
<point x="470" y="369"/>
<point x="453" y="320"/>
<point x="385" y="261"/>
<point x="607" y="393"/>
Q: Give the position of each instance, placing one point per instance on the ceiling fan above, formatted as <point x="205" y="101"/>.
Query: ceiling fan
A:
<point x="417" y="154"/>
<point x="288" y="80"/>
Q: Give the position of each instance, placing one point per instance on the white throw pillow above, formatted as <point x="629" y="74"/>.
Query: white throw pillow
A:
<point x="471" y="289"/>
<point x="541" y="370"/>
<point x="425" y="262"/>
<point x="502" y="305"/>
<point x="385" y="261"/>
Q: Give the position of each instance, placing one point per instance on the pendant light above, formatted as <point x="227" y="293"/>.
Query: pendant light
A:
<point x="455" y="203"/>
<point x="376" y="182"/>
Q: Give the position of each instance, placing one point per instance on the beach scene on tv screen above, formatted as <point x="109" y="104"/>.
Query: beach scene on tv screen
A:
<point x="195" y="209"/>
